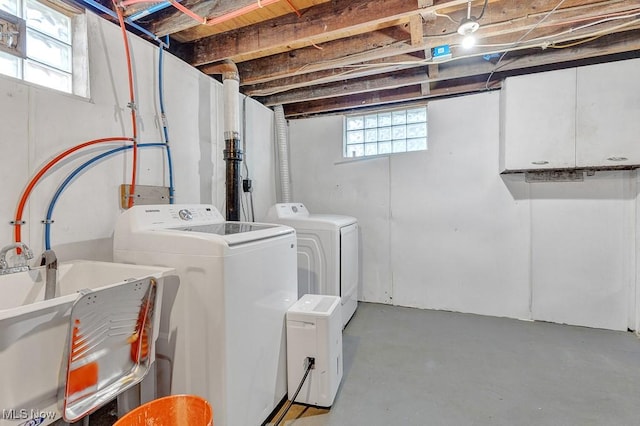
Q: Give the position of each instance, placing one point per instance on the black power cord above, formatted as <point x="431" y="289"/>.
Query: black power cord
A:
<point x="311" y="362"/>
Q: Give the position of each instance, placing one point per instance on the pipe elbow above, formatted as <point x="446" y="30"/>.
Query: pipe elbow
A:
<point x="227" y="68"/>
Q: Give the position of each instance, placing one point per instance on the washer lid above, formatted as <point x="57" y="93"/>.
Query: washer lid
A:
<point x="237" y="232"/>
<point x="226" y="228"/>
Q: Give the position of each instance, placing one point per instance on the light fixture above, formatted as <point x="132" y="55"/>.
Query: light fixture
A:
<point x="467" y="27"/>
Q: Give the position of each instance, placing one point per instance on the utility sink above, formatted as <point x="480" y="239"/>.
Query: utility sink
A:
<point x="34" y="332"/>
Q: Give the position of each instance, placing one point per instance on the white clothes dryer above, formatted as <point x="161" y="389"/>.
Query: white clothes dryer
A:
<point x="328" y="253"/>
<point x="225" y="334"/>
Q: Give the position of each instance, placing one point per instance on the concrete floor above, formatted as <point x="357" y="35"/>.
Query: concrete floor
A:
<point x="407" y="366"/>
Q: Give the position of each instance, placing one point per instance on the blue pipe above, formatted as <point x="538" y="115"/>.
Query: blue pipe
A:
<point x="67" y="181"/>
<point x="163" y="116"/>
<point x="148" y="11"/>
<point x="111" y="13"/>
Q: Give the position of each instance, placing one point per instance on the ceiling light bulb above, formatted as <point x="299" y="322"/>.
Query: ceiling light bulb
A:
<point x="468" y="41"/>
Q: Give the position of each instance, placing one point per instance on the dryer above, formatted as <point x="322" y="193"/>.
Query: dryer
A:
<point x="328" y="253"/>
<point x="224" y="336"/>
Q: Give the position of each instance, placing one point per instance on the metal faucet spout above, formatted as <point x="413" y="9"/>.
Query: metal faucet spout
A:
<point x="50" y="262"/>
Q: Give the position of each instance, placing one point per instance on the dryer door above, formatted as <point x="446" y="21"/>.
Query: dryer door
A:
<point x="349" y="270"/>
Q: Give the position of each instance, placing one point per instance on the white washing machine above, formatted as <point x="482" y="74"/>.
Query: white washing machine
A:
<point x="225" y="335"/>
<point x="328" y="253"/>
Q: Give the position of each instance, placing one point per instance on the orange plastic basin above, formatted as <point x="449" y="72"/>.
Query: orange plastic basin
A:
<point x="174" y="410"/>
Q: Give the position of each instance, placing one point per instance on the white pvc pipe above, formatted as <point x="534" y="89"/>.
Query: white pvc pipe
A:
<point x="231" y="90"/>
<point x="283" y="153"/>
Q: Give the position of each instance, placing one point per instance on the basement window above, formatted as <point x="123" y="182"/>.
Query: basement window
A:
<point x="52" y="59"/>
<point x="386" y="132"/>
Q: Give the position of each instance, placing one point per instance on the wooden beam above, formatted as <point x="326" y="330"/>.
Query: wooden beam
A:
<point x="354" y="86"/>
<point x="335" y="74"/>
<point x="171" y="20"/>
<point x="322" y="23"/>
<point x="461" y="70"/>
<point x="272" y="11"/>
<point x="375" y="67"/>
<point x="433" y="71"/>
<point x="364" y="48"/>
<point x="352" y="50"/>
<point x="404" y="94"/>
<point x="415" y="24"/>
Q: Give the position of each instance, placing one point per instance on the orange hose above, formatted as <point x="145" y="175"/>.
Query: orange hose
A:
<point x="32" y="183"/>
<point x="132" y="98"/>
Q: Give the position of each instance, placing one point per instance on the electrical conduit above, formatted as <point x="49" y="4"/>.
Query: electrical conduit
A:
<point x="72" y="175"/>
<point x="132" y="105"/>
<point x="34" y="180"/>
<point x="283" y="153"/>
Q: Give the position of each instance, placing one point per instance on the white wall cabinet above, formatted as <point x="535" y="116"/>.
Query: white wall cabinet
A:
<point x="538" y="121"/>
<point x="573" y="118"/>
<point x="608" y="114"/>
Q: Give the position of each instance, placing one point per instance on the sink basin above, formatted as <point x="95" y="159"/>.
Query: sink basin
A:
<point x="33" y="332"/>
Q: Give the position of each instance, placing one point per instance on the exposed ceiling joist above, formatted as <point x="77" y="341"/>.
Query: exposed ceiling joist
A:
<point x="303" y="53"/>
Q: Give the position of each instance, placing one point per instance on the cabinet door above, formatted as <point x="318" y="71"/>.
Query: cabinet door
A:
<point x="538" y="121"/>
<point x="608" y="114"/>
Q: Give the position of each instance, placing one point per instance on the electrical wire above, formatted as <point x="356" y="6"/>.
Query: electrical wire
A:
<point x="36" y="178"/>
<point x="69" y="179"/>
<point x="132" y="104"/>
<point x="484" y="8"/>
<point x="544" y="18"/>
<point x="577" y="43"/>
<point x="244" y="149"/>
<point x="542" y="42"/>
<point x="444" y="15"/>
<point x="163" y="117"/>
<point x="310" y="365"/>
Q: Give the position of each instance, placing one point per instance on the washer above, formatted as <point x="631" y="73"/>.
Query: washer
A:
<point x="224" y="336"/>
<point x="328" y="253"/>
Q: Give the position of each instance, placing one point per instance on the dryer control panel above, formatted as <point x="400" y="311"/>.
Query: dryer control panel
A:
<point x="289" y="211"/>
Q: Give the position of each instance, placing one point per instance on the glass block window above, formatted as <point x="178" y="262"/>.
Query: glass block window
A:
<point x="49" y="60"/>
<point x="386" y="132"/>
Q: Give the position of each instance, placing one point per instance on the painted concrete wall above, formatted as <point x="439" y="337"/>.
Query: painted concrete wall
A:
<point x="39" y="123"/>
<point x="442" y="229"/>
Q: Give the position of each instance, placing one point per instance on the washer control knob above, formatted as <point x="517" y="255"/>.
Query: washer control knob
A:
<point x="185" y="214"/>
<point x="295" y="209"/>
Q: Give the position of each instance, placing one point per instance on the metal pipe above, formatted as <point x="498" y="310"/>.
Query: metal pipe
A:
<point x="50" y="262"/>
<point x="232" y="151"/>
<point x="103" y="9"/>
<point x="148" y="11"/>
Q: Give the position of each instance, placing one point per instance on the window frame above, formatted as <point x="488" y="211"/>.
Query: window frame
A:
<point x="386" y="139"/>
<point x="77" y="42"/>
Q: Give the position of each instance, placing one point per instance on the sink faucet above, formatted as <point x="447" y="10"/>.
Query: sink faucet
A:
<point x="50" y="262"/>
<point x="4" y="266"/>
